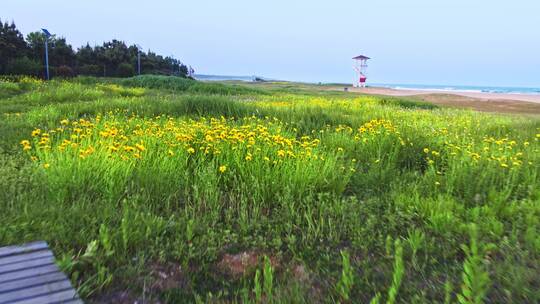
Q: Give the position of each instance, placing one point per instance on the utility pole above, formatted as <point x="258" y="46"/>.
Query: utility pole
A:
<point x="47" y="35"/>
<point x="139" y="62"/>
<point x="138" y="59"/>
<point x="172" y="65"/>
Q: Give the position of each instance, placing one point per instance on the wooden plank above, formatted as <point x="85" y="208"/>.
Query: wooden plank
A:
<point x="29" y="247"/>
<point x="32" y="281"/>
<point x="25" y="257"/>
<point x="26" y="264"/>
<point x="35" y="291"/>
<point x="74" y="301"/>
<point x="29" y="275"/>
<point x="11" y="276"/>
<point x="58" y="297"/>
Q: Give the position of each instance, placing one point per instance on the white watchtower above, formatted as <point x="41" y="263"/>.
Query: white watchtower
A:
<point x="360" y="66"/>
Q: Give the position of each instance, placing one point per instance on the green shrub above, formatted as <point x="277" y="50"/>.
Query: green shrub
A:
<point x="64" y="71"/>
<point x="24" y="66"/>
<point x="407" y="104"/>
<point x="179" y="84"/>
<point x="125" y="70"/>
<point x="159" y="82"/>
<point x="91" y="70"/>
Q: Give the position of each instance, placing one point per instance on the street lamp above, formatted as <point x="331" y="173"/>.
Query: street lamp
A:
<point x="47" y="35"/>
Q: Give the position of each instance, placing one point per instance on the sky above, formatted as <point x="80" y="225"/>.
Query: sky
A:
<point x="448" y="42"/>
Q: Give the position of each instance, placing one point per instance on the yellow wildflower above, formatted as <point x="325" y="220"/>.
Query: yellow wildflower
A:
<point x="140" y="147"/>
<point x="36" y="132"/>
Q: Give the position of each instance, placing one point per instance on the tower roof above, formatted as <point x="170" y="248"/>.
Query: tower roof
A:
<point x="360" y="57"/>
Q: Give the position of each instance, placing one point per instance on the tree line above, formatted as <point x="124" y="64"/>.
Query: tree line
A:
<point x="20" y="56"/>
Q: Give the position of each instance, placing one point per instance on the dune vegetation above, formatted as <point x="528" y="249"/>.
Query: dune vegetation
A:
<point x="168" y="189"/>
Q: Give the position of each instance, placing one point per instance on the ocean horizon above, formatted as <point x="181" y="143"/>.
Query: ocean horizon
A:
<point x="398" y="86"/>
<point x="461" y="88"/>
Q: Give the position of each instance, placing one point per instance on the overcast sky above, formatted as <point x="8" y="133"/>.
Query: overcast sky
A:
<point x="467" y="42"/>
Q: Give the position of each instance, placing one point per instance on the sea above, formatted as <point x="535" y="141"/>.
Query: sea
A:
<point x="427" y="87"/>
<point x="461" y="88"/>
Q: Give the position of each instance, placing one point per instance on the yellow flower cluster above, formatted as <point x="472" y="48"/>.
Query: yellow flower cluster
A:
<point x="300" y="101"/>
<point x="119" y="137"/>
<point x="122" y="91"/>
<point x="378" y="126"/>
<point x="504" y="152"/>
<point x="366" y="131"/>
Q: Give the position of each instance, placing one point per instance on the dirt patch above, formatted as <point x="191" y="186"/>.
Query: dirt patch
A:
<point x="158" y="278"/>
<point x="300" y="273"/>
<point x="167" y="276"/>
<point x="122" y="297"/>
<point x="309" y="281"/>
<point x="242" y="264"/>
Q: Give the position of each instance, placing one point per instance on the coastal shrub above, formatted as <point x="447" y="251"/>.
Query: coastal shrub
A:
<point x="179" y="84"/>
<point x="159" y="82"/>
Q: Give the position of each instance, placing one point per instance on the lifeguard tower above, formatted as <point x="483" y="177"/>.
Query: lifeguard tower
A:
<point x="360" y="66"/>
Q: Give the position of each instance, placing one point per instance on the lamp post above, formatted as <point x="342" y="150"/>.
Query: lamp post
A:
<point x="47" y="35"/>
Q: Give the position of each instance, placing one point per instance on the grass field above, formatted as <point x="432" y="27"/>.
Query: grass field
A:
<point x="166" y="189"/>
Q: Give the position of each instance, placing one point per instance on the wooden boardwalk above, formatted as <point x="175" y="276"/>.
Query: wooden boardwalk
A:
<point x="28" y="275"/>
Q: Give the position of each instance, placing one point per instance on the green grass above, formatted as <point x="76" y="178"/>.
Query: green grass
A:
<point x="339" y="198"/>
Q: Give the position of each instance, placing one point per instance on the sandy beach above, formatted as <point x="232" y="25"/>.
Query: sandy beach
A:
<point x="488" y="102"/>
<point x="478" y="95"/>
